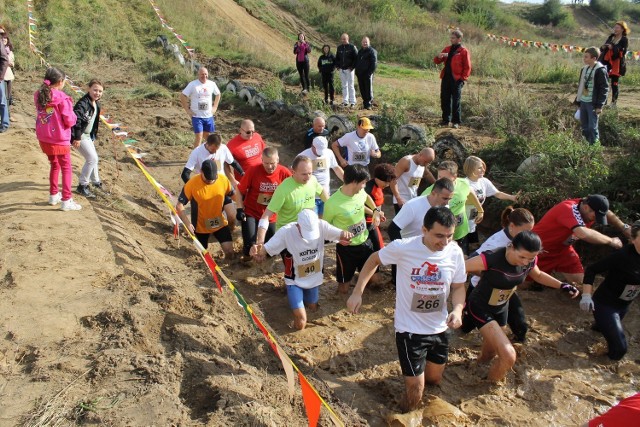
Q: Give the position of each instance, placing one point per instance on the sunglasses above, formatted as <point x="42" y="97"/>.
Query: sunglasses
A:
<point x="249" y="132"/>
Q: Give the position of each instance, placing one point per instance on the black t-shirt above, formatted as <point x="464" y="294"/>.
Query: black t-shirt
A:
<point x="622" y="281"/>
<point x="311" y="134"/>
<point x="499" y="281"/>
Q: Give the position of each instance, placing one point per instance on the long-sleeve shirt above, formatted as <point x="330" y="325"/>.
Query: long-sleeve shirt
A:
<point x="622" y="281"/>
<point x="4" y="61"/>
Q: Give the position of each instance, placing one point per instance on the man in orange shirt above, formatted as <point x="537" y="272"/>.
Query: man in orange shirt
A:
<point x="207" y="192"/>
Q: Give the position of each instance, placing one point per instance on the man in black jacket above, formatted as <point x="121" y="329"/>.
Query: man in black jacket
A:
<point x="346" y="55"/>
<point x="366" y="64"/>
<point x="4" y="102"/>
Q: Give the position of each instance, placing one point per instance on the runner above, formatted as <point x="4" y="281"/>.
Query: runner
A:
<point x="246" y="147"/>
<point x="256" y="188"/>
<point x="304" y="240"/>
<point x="503" y="270"/>
<point x="207" y="191"/>
<point x="214" y="149"/>
<point x="462" y="196"/>
<point x="410" y="170"/>
<point x="615" y="294"/>
<point x="513" y="222"/>
<point x="383" y="176"/>
<point x="429" y="269"/>
<point x="200" y="101"/>
<point x="474" y="168"/>
<point x="323" y="161"/>
<point x="361" y="145"/>
<point x="625" y="413"/>
<point x="345" y="209"/>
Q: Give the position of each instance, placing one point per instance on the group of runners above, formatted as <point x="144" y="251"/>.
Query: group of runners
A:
<point x="293" y="213"/>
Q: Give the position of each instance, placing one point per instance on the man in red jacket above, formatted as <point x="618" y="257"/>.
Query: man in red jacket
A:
<point x="456" y="71"/>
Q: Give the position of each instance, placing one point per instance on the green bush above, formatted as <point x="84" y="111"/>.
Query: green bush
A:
<point x="608" y="9"/>
<point x="434" y="5"/>
<point x="551" y="12"/>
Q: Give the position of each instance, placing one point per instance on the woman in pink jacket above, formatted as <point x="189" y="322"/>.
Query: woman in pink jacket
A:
<point x="301" y="50"/>
<point x="54" y="120"/>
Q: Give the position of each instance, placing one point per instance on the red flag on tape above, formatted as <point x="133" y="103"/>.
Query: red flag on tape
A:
<point x="212" y="266"/>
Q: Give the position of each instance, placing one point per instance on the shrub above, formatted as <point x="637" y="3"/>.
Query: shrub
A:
<point x="608" y="9"/>
<point x="551" y="12"/>
<point x="434" y="5"/>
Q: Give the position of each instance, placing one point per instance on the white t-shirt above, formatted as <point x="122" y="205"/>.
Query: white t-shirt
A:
<point x="496" y="241"/>
<point x="201" y="96"/>
<point x="409" y="181"/>
<point x="322" y="166"/>
<point x="411" y="216"/>
<point x="200" y="154"/>
<point x="308" y="258"/>
<point x="423" y="283"/>
<point x="483" y="189"/>
<point x="358" y="149"/>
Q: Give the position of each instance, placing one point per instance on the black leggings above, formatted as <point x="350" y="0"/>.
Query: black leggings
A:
<point x="303" y="70"/>
<point x="614" y="88"/>
<point x="327" y="84"/>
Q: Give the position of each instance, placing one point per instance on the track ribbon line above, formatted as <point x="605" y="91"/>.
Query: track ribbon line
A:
<point x="166" y="25"/>
<point x="312" y="400"/>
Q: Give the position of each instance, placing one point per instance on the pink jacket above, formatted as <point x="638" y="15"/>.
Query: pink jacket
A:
<point x="54" y="123"/>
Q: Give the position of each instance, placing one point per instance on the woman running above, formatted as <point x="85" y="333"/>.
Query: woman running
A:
<point x="503" y="270"/>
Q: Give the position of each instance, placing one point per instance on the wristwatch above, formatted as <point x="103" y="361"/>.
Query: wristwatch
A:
<point x="625" y="227"/>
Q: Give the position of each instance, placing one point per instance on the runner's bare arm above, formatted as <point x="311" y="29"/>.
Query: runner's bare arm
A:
<point x="454" y="319"/>
<point x="475" y="265"/>
<point x="368" y="270"/>
<point x="592" y="236"/>
<point x="335" y="147"/>
<point x="262" y="231"/>
<point x="184" y="100"/>
<point x="544" y="279"/>
<point x="184" y="217"/>
<point x="214" y="107"/>
<point x="428" y="175"/>
<point x="339" y="173"/>
<point x="619" y="224"/>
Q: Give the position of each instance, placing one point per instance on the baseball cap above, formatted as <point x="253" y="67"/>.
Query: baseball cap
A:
<point x="320" y="143"/>
<point x="365" y="123"/>
<point x="600" y="204"/>
<point x="309" y="224"/>
<point x="209" y="170"/>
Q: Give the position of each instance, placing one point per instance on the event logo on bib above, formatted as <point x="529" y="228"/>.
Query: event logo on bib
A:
<point x="426" y="274"/>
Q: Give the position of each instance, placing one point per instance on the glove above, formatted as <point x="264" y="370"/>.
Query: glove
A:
<point x="586" y="303"/>
<point x="240" y="215"/>
<point x="570" y="289"/>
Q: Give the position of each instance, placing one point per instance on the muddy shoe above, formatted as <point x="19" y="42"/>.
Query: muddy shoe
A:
<point x="84" y="190"/>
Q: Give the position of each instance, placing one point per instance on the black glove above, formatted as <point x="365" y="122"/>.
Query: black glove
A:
<point x="240" y="215"/>
<point x="570" y="289"/>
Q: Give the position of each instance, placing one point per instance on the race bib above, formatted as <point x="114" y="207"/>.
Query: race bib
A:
<point x="427" y="303"/>
<point x="630" y="292"/>
<point x="308" y="269"/>
<point x="264" y="198"/>
<point x="360" y="156"/>
<point x="459" y="219"/>
<point x="357" y="228"/>
<point x="216" y="222"/>
<point x="415" y="181"/>
<point x="320" y="164"/>
<point x="473" y="213"/>
<point x="501" y="296"/>
<point x="203" y="106"/>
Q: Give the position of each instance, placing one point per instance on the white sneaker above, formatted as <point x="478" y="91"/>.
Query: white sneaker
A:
<point x="70" y="205"/>
<point x="55" y="199"/>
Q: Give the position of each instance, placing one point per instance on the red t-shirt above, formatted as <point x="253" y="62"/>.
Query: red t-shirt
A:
<point x="372" y="189"/>
<point x="246" y="152"/>
<point x="556" y="226"/>
<point x="257" y="189"/>
<point x="625" y="413"/>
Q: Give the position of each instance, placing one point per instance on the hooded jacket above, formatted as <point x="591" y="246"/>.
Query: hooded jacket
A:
<point x="84" y="110"/>
<point x="53" y="123"/>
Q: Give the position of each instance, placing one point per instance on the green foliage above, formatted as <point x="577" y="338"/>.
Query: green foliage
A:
<point x="568" y="168"/>
<point x="608" y="9"/>
<point x="551" y="12"/>
<point x="434" y="5"/>
<point x="273" y="89"/>
<point x="623" y="186"/>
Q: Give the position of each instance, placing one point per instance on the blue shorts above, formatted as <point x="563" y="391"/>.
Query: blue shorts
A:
<point x="203" y="125"/>
<point x="319" y="207"/>
<point x="298" y="297"/>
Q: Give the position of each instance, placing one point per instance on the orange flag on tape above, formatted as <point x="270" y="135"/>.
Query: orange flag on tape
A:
<point x="311" y="401"/>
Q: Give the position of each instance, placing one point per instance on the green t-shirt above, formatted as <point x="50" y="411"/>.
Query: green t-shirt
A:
<point x="291" y="197"/>
<point x="347" y="213"/>
<point x="457" y="206"/>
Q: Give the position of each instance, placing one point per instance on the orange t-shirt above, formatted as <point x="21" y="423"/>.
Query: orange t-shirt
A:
<point x="207" y="201"/>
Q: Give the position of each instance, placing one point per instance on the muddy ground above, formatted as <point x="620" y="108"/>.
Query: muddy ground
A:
<point x="107" y="320"/>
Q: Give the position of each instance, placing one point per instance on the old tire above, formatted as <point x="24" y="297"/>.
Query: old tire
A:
<point x="338" y="125"/>
<point x="409" y="133"/>
<point x="450" y="148"/>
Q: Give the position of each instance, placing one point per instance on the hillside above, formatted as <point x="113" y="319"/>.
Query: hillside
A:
<point x="107" y="320"/>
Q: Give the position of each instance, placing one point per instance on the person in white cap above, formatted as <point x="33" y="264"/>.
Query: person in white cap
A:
<point x="322" y="160"/>
<point x="304" y="240"/>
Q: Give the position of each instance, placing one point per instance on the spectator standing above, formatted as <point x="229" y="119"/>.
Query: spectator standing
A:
<point x="301" y="50"/>
<point x="593" y="88"/>
<point x="326" y="66"/>
<point x="456" y="71"/>
<point x="366" y="64"/>
<point x="612" y="56"/>
<point x="346" y="55"/>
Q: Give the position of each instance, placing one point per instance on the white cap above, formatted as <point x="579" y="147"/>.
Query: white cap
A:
<point x="309" y="224"/>
<point x="320" y="143"/>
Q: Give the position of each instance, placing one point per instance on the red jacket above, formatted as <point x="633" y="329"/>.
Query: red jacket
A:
<point x="460" y="63"/>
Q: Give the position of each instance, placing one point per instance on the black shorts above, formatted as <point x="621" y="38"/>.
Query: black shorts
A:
<point x="414" y="350"/>
<point x="479" y="314"/>
<point x="222" y="235"/>
<point x="350" y="259"/>
<point x="227" y="200"/>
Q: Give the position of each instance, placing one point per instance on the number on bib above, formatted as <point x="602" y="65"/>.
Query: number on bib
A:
<point x="308" y="269"/>
<point x="501" y="296"/>
<point x="630" y="292"/>
<point x="459" y="219"/>
<point x="264" y="198"/>
<point x="415" y="181"/>
<point x="360" y="156"/>
<point x="320" y="164"/>
<point x="427" y="303"/>
<point x="358" y="228"/>
<point x="203" y="106"/>
<point x="216" y="222"/>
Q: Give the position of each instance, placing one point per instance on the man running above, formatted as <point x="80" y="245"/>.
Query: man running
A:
<point x="361" y="145"/>
<point x="429" y="269"/>
<point x="409" y="173"/>
<point x="318" y="129"/>
<point x="200" y="101"/>
<point x="246" y="147"/>
<point x="323" y="161"/>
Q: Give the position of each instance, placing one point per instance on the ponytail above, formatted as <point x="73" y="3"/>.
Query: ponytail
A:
<point x="517" y="217"/>
<point x="52" y="77"/>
